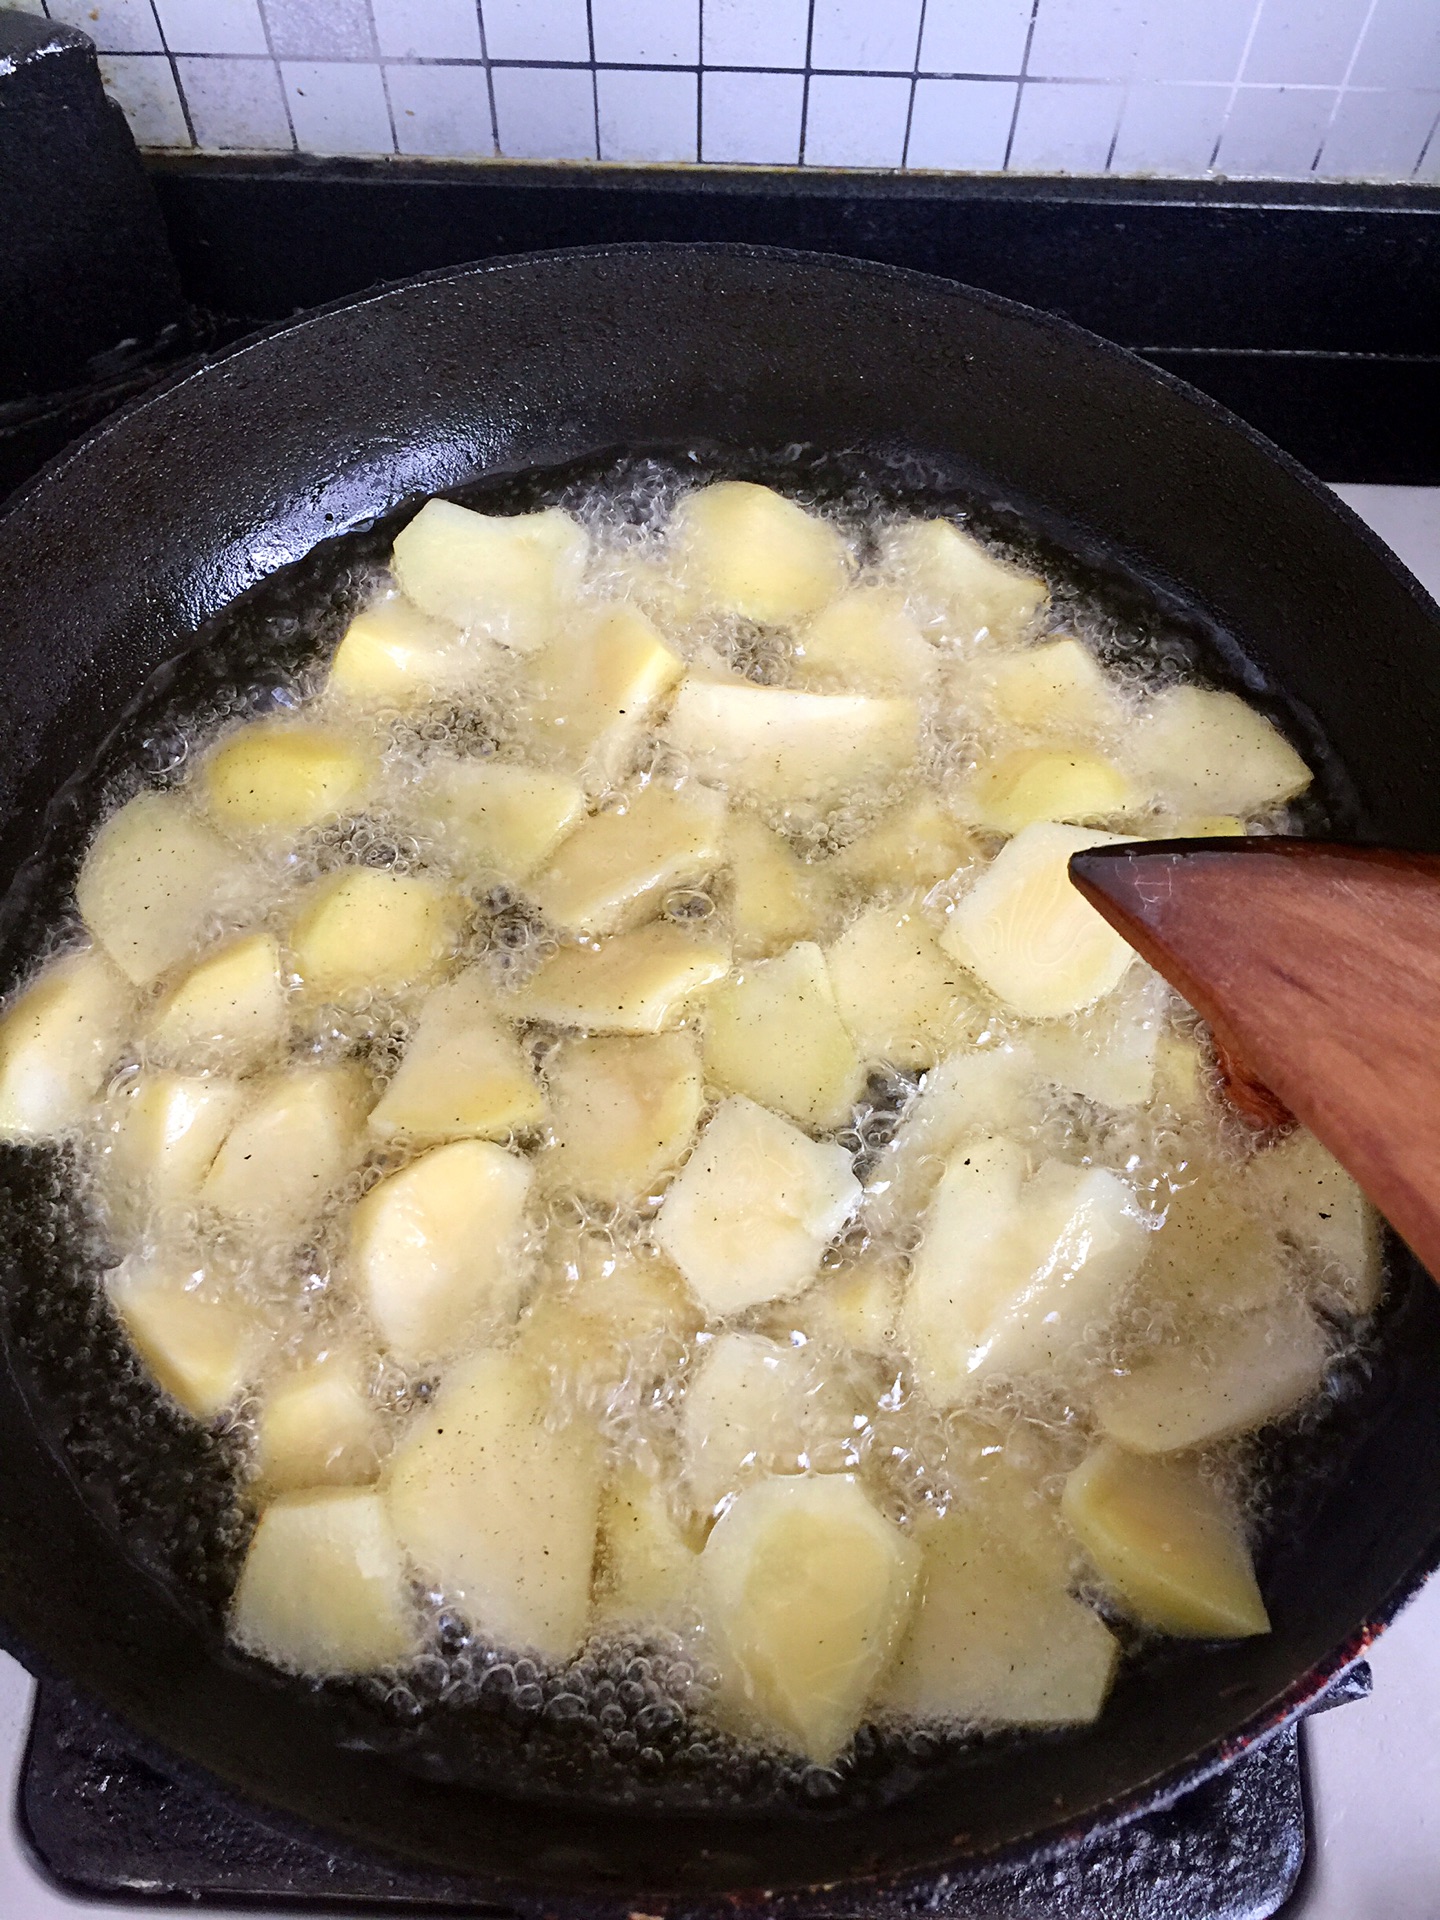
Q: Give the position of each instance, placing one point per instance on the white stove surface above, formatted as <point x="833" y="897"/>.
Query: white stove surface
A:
<point x="1373" y="1767"/>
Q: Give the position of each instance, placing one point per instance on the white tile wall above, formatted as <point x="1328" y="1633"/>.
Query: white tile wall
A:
<point x="1339" y="89"/>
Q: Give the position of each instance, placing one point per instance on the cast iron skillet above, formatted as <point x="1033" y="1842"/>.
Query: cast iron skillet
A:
<point x="131" y="542"/>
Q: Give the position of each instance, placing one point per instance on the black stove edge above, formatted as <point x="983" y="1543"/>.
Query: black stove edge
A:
<point x="1311" y="309"/>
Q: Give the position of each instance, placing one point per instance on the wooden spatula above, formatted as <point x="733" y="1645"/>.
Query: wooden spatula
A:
<point x="1318" y="968"/>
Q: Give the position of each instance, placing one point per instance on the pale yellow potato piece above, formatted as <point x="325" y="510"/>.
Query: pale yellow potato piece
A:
<point x="58" y="1038"/>
<point x="865" y="642"/>
<point x="362" y="931"/>
<point x="623" y="1111"/>
<point x="807" y="1591"/>
<point x="464" y="1074"/>
<point x="785" y="747"/>
<point x="590" y="695"/>
<point x="752" y="552"/>
<point x="754" y="1207"/>
<point x="323" y="1588"/>
<point x="204" y="1350"/>
<point x="298" y="1136"/>
<point x="646" y="1571"/>
<point x="609" y="1318"/>
<point x="493" y="814"/>
<point x="393" y="655"/>
<point x="1227" y="1379"/>
<point x="950" y="576"/>
<point x="1029" y="935"/>
<point x="614" y="870"/>
<point x="155" y="879"/>
<point x="774" y="1032"/>
<point x="1058" y="687"/>
<point x="229" y="1010"/>
<point x="1310" y="1196"/>
<point x="969" y="1095"/>
<point x="633" y="983"/>
<point x="775" y="898"/>
<point x="166" y="1130"/>
<point x="436" y="1248"/>
<point x="510" y="575"/>
<point x="913" y="847"/>
<point x="318" y="1424"/>
<point x="1182" y="1072"/>
<point x="1203" y="752"/>
<point x="278" y="777"/>
<point x="1203" y="826"/>
<point x="499" y="1510"/>
<point x="1214" y="1252"/>
<point x="1109" y="1052"/>
<point x="1014" y="1274"/>
<point x="859" y="1307"/>
<point x="1048" y="783"/>
<point x="997" y="1639"/>
<point x="901" y="997"/>
<point x="1168" y="1544"/>
<point x="754" y="1406"/>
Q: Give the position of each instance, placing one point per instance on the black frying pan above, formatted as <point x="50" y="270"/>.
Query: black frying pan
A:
<point x="131" y="543"/>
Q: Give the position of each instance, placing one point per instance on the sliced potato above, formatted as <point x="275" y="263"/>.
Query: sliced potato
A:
<point x="229" y="1009"/>
<point x="1029" y="935"/>
<point x="786" y="748"/>
<point x="318" y="1424"/>
<point x="1323" y="1211"/>
<point x="589" y="696"/>
<point x="323" y="1588"/>
<point x="298" y="1136"/>
<point x="1107" y="1053"/>
<point x="901" y="997"/>
<point x="165" y="1133"/>
<point x="646" y="1570"/>
<point x="1205" y="826"/>
<point x="278" y="777"/>
<point x="775" y="898"/>
<point x="913" y="847"/>
<point x="754" y="1406"/>
<point x="1207" y="752"/>
<point x="1048" y="783"/>
<point x="774" y="1032"/>
<point x="464" y="1074"/>
<point x="204" y="1346"/>
<point x="436" y="1248"/>
<point x="1168" y="1543"/>
<point x="58" y="1039"/>
<point x="754" y="1207"/>
<point x="992" y="1090"/>
<point x="616" y="867"/>
<point x="808" y="1592"/>
<point x="1236" y="1375"/>
<point x="393" y="655"/>
<point x="362" y="931"/>
<point x="865" y="642"/>
<point x="155" y="879"/>
<point x="510" y="575"/>
<point x="498" y="1509"/>
<point x="634" y="983"/>
<point x="1213" y="1252"/>
<point x="494" y="814"/>
<point x="623" y="1111"/>
<point x="858" y="1307"/>
<point x="754" y="553"/>
<point x="1014" y="1274"/>
<point x="951" y="577"/>
<point x="1057" y="687"/>
<point x="609" y="1320"/>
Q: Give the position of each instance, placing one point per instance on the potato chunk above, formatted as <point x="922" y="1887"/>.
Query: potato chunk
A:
<point x="362" y="931"/>
<point x="609" y="1320"/>
<point x="623" y="1111"/>
<point x="951" y="577"/>
<point x="393" y="655"/>
<point x="616" y="867"/>
<point x="1213" y="1253"/>
<point x="1318" y="1207"/>
<point x="1167" y="1542"/>
<point x="774" y="1032"/>
<point x="807" y="1591"/>
<point x="490" y="814"/>
<point x="499" y="1510"/>
<point x="858" y="1307"/>
<point x="1048" y="783"/>
<point x="166" y="1131"/>
<point x="436" y="1247"/>
<point x="786" y="748"/>
<point x="754" y="1207"/>
<point x="910" y="849"/>
<point x="1013" y="1274"/>
<point x="1057" y="687"/>
<point x="228" y="1010"/>
<point x="1211" y="753"/>
<point x="865" y="642"/>
<point x="297" y="1138"/>
<point x="1109" y="1052"/>
<point x="647" y="1570"/>
<point x="510" y="575"/>
<point x="318" y="1425"/>
<point x="634" y="983"/>
<point x="1230" y="1378"/>
<point x="323" y="1588"/>
<point x="154" y="880"/>
<point x="754" y="1406"/>
<point x="589" y="696"/>
<point x="278" y="777"/>
<point x="967" y="1096"/>
<point x="1029" y="935"/>
<point x="775" y="898"/>
<point x="58" y="1039"/>
<point x="202" y="1345"/>
<point x="464" y="1074"/>
<point x="754" y="553"/>
<point x="901" y="997"/>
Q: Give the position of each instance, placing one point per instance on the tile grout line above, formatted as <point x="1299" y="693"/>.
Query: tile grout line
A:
<point x="699" y="81"/>
<point x="174" y="73"/>
<point x="489" y="78"/>
<point x="914" y="83"/>
<point x="1340" y="91"/>
<point x="1429" y="142"/>
<point x="279" y="76"/>
<point x="805" y="87"/>
<point x="1020" y="85"/>
<point x="594" y="74"/>
<point x="384" y="76"/>
<point x="1115" y="130"/>
<point x="1235" y="84"/>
